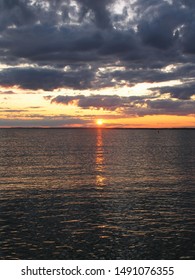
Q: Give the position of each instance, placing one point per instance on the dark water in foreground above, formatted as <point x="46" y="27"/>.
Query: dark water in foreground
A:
<point x="97" y="194"/>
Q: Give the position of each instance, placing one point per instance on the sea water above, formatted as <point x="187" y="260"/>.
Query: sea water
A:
<point x="97" y="194"/>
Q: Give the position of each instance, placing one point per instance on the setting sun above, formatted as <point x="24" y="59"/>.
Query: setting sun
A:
<point x="99" y="122"/>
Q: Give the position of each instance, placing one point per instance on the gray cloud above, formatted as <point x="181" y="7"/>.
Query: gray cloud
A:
<point x="41" y="121"/>
<point x="93" y="101"/>
<point x="161" y="107"/>
<point x="132" y="105"/>
<point x="13" y="110"/>
<point x="46" y="79"/>
<point x="182" y="92"/>
<point x="7" y="92"/>
<point x="188" y="38"/>
<point x="99" y="9"/>
<point x="84" y="36"/>
<point x="159" y="23"/>
<point x="170" y="107"/>
<point x="15" y="12"/>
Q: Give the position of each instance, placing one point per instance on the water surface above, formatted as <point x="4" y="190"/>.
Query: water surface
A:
<point x="97" y="194"/>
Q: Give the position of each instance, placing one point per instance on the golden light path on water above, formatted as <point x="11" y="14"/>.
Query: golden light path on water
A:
<point x="100" y="179"/>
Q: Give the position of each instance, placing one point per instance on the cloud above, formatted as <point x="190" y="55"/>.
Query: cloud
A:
<point x="161" y="107"/>
<point x="46" y="79"/>
<point x="48" y="97"/>
<point x="132" y="105"/>
<point x="84" y="44"/>
<point x="172" y="107"/>
<point x="99" y="9"/>
<point x="13" y="110"/>
<point x="7" y="92"/>
<point x="105" y="102"/>
<point x="41" y="121"/>
<point x="182" y="92"/>
<point x="188" y="38"/>
<point x="15" y="13"/>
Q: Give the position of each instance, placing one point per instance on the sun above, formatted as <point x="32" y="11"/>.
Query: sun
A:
<point x="99" y="122"/>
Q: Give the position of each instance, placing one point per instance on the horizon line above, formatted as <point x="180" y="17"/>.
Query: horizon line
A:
<point x="95" y="127"/>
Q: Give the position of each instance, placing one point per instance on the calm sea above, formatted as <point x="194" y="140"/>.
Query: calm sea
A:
<point x="97" y="194"/>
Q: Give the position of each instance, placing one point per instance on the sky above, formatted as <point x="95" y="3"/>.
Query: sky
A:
<point x="70" y="63"/>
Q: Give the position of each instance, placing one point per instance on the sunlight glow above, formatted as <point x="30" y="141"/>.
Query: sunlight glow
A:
<point x="99" y="122"/>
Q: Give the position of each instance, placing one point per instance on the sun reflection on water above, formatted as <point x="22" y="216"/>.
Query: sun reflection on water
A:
<point x="100" y="179"/>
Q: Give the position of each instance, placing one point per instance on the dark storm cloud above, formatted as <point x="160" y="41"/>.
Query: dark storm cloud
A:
<point x="182" y="92"/>
<point x="157" y="28"/>
<point x="189" y="3"/>
<point x="132" y="105"/>
<point x="163" y="25"/>
<point x="142" y="75"/>
<point x="99" y="9"/>
<point x="105" y="102"/>
<point x="15" y="12"/>
<point x="51" y="45"/>
<point x="87" y="36"/>
<point x="119" y="43"/>
<point x="170" y="107"/>
<point x="93" y="101"/>
<point x="189" y="38"/>
<point x="46" y="79"/>
<point x="160" y="107"/>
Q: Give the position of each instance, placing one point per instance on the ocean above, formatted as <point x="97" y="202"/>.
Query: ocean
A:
<point x="97" y="194"/>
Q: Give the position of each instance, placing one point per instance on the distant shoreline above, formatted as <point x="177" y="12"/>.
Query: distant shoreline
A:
<point x="105" y="128"/>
